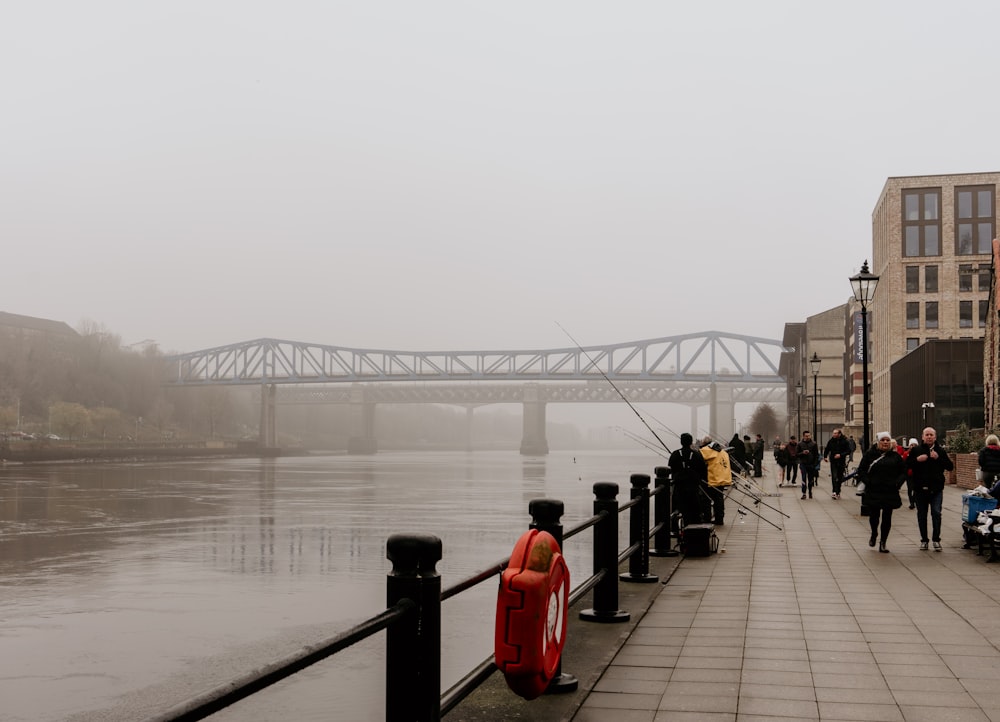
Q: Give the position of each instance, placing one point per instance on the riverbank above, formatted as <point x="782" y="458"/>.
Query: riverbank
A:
<point x="25" y="453"/>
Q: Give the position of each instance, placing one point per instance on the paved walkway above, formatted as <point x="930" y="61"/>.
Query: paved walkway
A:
<point x="810" y="623"/>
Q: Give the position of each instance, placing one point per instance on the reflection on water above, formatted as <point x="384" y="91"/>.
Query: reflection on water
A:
<point x="125" y="589"/>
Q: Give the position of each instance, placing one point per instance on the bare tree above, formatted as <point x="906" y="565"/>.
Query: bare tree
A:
<point x="764" y="421"/>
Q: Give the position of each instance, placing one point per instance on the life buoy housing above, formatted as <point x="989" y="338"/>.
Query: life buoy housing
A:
<point x="532" y="607"/>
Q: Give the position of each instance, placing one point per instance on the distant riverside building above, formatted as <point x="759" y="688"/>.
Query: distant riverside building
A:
<point x="932" y="249"/>
<point x="12" y="324"/>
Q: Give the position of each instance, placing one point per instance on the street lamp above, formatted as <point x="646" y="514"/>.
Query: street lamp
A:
<point x="863" y="286"/>
<point x="814" y="362"/>
<point x="798" y="406"/>
<point x="923" y="409"/>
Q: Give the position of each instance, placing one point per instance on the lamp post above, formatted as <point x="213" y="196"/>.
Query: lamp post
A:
<point x="798" y="407"/>
<point x="814" y="363"/>
<point x="924" y="410"/>
<point x="863" y="286"/>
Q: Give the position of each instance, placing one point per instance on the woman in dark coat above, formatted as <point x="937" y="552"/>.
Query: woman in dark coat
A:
<point x="883" y="471"/>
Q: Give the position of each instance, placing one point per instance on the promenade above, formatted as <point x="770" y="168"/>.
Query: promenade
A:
<point x="804" y="623"/>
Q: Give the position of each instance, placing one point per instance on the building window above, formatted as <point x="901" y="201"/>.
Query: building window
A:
<point x="984" y="279"/>
<point x="931" y="314"/>
<point x="974" y="220"/>
<point x="912" y="314"/>
<point x="922" y="222"/>
<point x="913" y="279"/>
<point x="911" y="344"/>
<point x="965" y="277"/>
<point x="965" y="314"/>
<point x="984" y="309"/>
<point x="930" y="279"/>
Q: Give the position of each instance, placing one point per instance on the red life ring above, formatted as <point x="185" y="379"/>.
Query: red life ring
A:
<point x="532" y="608"/>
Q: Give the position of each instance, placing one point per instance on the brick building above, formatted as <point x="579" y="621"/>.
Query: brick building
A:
<point x="932" y="249"/>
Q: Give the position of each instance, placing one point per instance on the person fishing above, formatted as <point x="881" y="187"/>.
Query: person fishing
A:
<point x="719" y="477"/>
<point x="688" y="472"/>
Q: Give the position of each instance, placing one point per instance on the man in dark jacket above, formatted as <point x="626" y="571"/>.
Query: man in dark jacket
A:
<point x="688" y="473"/>
<point x="928" y="461"/>
<point x="808" y="458"/>
<point x="837" y="450"/>
<point x="758" y="456"/>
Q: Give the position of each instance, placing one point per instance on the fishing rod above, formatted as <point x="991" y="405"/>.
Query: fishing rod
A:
<point x="612" y="384"/>
<point x="739" y="481"/>
<point x="752" y="511"/>
<point x="639" y="416"/>
<point x="642" y="442"/>
<point x="745" y="470"/>
<point x="736" y="481"/>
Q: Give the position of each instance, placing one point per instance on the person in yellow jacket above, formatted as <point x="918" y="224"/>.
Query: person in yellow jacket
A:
<point x="720" y="476"/>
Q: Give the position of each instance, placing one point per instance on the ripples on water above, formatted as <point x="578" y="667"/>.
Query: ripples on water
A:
<point x="125" y="589"/>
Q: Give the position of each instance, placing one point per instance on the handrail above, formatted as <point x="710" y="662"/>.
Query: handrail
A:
<point x="413" y="653"/>
<point x="224" y="695"/>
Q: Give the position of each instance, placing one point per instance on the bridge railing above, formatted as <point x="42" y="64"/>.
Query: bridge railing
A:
<point x="412" y="618"/>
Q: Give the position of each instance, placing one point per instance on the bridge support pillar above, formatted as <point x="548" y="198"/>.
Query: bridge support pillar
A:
<point x="268" y="431"/>
<point x="721" y="424"/>
<point x="533" y="441"/>
<point x="362" y="441"/>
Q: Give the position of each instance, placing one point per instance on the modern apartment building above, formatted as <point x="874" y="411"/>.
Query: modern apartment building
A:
<point x="932" y="249"/>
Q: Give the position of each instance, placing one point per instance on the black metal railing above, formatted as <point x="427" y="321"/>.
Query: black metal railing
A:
<point x="412" y="618"/>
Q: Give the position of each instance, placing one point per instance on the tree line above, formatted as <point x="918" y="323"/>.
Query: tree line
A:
<point x="90" y="386"/>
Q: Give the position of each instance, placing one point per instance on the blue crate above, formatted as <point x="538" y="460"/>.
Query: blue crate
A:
<point x="972" y="505"/>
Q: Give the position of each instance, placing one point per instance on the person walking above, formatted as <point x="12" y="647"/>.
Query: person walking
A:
<point x="883" y="471"/>
<point x="928" y="461"/>
<point x="781" y="461"/>
<point x="792" y="465"/>
<point x="808" y="457"/>
<point x="854" y="447"/>
<point x="837" y="450"/>
<point x="719" y="475"/>
<point x="688" y="472"/>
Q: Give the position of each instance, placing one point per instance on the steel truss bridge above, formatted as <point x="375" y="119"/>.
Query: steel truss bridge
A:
<point x="710" y="368"/>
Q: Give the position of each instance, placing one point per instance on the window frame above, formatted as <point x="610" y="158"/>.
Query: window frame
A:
<point x="922" y="223"/>
<point x="932" y="314"/>
<point x="978" y="217"/>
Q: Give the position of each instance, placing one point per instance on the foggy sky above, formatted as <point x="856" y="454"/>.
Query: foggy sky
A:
<point x="458" y="176"/>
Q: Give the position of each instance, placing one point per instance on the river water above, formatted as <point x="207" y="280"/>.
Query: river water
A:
<point x="128" y="588"/>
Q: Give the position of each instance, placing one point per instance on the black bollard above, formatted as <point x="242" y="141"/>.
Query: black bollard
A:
<point x="606" y="558"/>
<point x="546" y="515"/>
<point x="662" y="512"/>
<point x="413" y="644"/>
<point x="638" y="533"/>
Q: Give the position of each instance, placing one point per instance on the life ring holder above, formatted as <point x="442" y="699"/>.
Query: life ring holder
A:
<point x="532" y="614"/>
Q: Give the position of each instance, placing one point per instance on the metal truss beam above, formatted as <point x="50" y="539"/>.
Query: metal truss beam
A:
<point x="481" y="394"/>
<point x="702" y="358"/>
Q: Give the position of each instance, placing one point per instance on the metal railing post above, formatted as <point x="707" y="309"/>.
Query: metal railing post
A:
<point x="413" y="646"/>
<point x="606" y="557"/>
<point x="546" y="515"/>
<point x="662" y="513"/>
<point x="638" y="533"/>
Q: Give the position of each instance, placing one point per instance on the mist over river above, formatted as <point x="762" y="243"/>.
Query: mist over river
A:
<point x="128" y="588"/>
